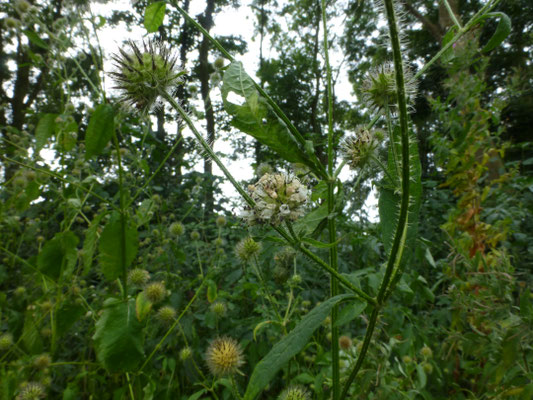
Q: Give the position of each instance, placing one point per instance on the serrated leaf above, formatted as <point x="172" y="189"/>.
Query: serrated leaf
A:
<point x="502" y="31"/>
<point x="310" y="221"/>
<point x="289" y="346"/>
<point x="45" y="130"/>
<point x="114" y="259"/>
<point x="118" y="338"/>
<point x="100" y="130"/>
<point x="154" y="15"/>
<point x="253" y="115"/>
<point x="30" y="335"/>
<point x="58" y="254"/>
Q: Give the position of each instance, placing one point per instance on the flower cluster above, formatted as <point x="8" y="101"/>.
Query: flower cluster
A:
<point x="357" y="149"/>
<point x="278" y="197"/>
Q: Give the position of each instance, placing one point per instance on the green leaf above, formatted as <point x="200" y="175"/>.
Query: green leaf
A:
<point x="289" y="346"/>
<point x="197" y="395"/>
<point x="350" y="312"/>
<point x="100" y="130"/>
<point x="390" y="198"/>
<point x="67" y="315"/>
<point x="142" y="306"/>
<point x="118" y="338"/>
<point x="58" y="255"/>
<point x="35" y="39"/>
<point x="45" y="130"/>
<point x="113" y="259"/>
<point x="318" y="244"/>
<point x="422" y="378"/>
<point x="254" y="116"/>
<point x="154" y="15"/>
<point x="89" y="244"/>
<point x="310" y="221"/>
<point x="30" y="336"/>
<point x="502" y="31"/>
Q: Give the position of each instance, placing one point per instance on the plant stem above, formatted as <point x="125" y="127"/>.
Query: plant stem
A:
<point x="332" y="228"/>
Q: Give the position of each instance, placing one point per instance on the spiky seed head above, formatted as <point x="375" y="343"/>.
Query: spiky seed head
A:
<point x="285" y="257"/>
<point x="144" y="72"/>
<point x="155" y="292"/>
<point x="295" y="393"/>
<point x="138" y="277"/>
<point x="345" y="342"/>
<point x="195" y="235"/>
<point x="278" y="197"/>
<point x="218" y="242"/>
<point x="219" y="308"/>
<point x="407" y="359"/>
<point x="31" y="391"/>
<point x="176" y="229"/>
<point x="219" y="63"/>
<point x="295" y="280"/>
<point x="379" y="88"/>
<point x="426" y="352"/>
<point x="263" y="168"/>
<point x="428" y="368"/>
<point x="11" y="23"/>
<point x="357" y="149"/>
<point x="22" y="6"/>
<point x="224" y="356"/>
<point x="42" y="361"/>
<point x="166" y="314"/>
<point x="247" y="248"/>
<point x="221" y="221"/>
<point x="280" y="274"/>
<point x="6" y="341"/>
<point x="185" y="353"/>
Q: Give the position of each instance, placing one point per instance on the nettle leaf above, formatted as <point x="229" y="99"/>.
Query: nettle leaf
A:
<point x="253" y="115"/>
<point x="289" y="346"/>
<point x="67" y="315"/>
<point x="390" y="195"/>
<point x="58" y="255"/>
<point x="502" y="31"/>
<point x="100" y="130"/>
<point x="154" y="15"/>
<point x="45" y="130"/>
<point x="118" y="338"/>
<point x="113" y="259"/>
<point x="89" y="244"/>
<point x="31" y="339"/>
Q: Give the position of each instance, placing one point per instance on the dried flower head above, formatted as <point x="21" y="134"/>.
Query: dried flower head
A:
<point x="294" y="393"/>
<point x="247" y="248"/>
<point x="144" y="73"/>
<point x="345" y="342"/>
<point x="32" y="391"/>
<point x="278" y="197"/>
<point x="224" y="356"/>
<point x="379" y="89"/>
<point x="357" y="149"/>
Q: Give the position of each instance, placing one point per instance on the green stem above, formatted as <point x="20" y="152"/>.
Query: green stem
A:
<point x="452" y="14"/>
<point x="399" y="235"/>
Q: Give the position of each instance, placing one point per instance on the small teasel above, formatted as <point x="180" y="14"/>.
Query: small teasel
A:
<point x="357" y="149"/>
<point x="278" y="197"/>
<point x="295" y="392"/>
<point x="224" y="357"/>
<point x="145" y="72"/>
<point x="247" y="248"/>
<point x="176" y="229"/>
<point x="155" y="292"/>
<point x="6" y="341"/>
<point x="31" y="391"/>
<point x="166" y="314"/>
<point x="138" y="276"/>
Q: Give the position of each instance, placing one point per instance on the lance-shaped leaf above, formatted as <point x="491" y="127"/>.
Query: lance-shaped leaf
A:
<point x="58" y="255"/>
<point x="100" y="130"/>
<point x="289" y="346"/>
<point x="253" y="115"/>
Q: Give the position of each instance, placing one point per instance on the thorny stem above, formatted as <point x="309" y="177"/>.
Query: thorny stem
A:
<point x="332" y="228"/>
<point x="399" y="235"/>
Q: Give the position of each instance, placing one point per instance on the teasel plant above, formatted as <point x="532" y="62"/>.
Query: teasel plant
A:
<point x="148" y="74"/>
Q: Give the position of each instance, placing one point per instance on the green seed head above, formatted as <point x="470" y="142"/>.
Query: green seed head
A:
<point x="138" y="276"/>
<point x="185" y="353"/>
<point x="166" y="314"/>
<point x="31" y="391"/>
<point x="247" y="248"/>
<point x="6" y="341"/>
<point x="219" y="308"/>
<point x="143" y="74"/>
<point x="357" y="149"/>
<point x="195" y="235"/>
<point x="224" y="357"/>
<point x="176" y="229"/>
<point x="221" y="221"/>
<point x="295" y="393"/>
<point x="42" y="361"/>
<point x="426" y="352"/>
<point x="155" y="292"/>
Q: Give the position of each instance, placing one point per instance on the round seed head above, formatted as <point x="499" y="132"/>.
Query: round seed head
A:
<point x="426" y="352"/>
<point x="219" y="308"/>
<point x="247" y="248"/>
<point x="155" y="292"/>
<point x="144" y="72"/>
<point x="138" y="276"/>
<point x="345" y="342"/>
<point x="176" y="229"/>
<point x="42" y="361"/>
<point x="224" y="357"/>
<point x="195" y="235"/>
<point x="357" y="149"/>
<point x="6" y="341"/>
<point x="407" y="359"/>
<point x="263" y="168"/>
<point x="185" y="353"/>
<point x="221" y="221"/>
<point x="295" y="393"/>
<point x="166" y="314"/>
<point x="428" y="368"/>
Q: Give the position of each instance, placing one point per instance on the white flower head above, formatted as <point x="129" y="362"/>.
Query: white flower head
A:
<point x="278" y="197"/>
